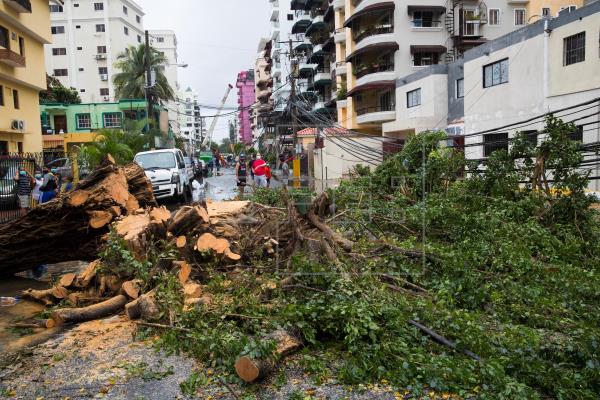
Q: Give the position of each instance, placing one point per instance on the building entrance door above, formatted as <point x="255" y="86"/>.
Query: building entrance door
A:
<point x="60" y="122"/>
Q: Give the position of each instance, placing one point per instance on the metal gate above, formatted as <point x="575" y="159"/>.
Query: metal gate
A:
<point x="9" y="168"/>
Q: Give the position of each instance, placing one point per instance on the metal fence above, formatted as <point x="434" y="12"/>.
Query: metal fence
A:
<point x="9" y="168"/>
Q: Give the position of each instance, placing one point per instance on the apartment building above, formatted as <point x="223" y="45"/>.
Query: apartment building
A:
<point x="282" y="20"/>
<point x="246" y="98"/>
<point x="190" y="122"/>
<point x="165" y="41"/>
<point x="87" y="37"/>
<point x="264" y="104"/>
<point x="505" y="85"/>
<point x="24" y="30"/>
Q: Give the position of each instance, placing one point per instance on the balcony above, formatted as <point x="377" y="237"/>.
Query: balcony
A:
<point x="303" y="21"/>
<point x="306" y="69"/>
<point x="274" y="13"/>
<point x="11" y="58"/>
<point x="362" y="33"/>
<point x="317" y="23"/>
<point x="341" y="68"/>
<point x="20" y="6"/>
<point x="375" y="114"/>
<point x="304" y="45"/>
<point x="338" y="4"/>
<point x="322" y="78"/>
<point x="339" y="35"/>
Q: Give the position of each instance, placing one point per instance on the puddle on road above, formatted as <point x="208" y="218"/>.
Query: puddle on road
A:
<point x="14" y="339"/>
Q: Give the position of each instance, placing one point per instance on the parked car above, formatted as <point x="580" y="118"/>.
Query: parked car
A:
<point x="8" y="187"/>
<point x="167" y="171"/>
<point x="65" y="168"/>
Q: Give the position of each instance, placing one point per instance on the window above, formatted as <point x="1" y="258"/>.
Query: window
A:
<point x="101" y="49"/>
<point x="1" y="95"/>
<point x="81" y="69"/>
<point x="59" y="51"/>
<point x="76" y="5"/>
<point x="125" y="10"/>
<point x="546" y="12"/>
<point x="16" y="99"/>
<point x="103" y="70"/>
<point x="519" y="16"/>
<point x="55" y="8"/>
<point x="413" y="98"/>
<point x="126" y="30"/>
<point x="494" y="18"/>
<point x="100" y="28"/>
<point x="4" y="40"/>
<point x="77" y="26"/>
<point x="460" y="88"/>
<point x="495" y="73"/>
<point x="577" y="135"/>
<point x="98" y="6"/>
<point x="160" y="39"/>
<point x="112" y="120"/>
<point x="566" y="10"/>
<point x="57" y="30"/>
<point x="79" y="48"/>
<point x="290" y="17"/>
<point x="104" y="92"/>
<point x="422" y="59"/>
<point x="138" y="19"/>
<point x="139" y="39"/>
<point x="574" y="49"/>
<point x="493" y="142"/>
<point x="424" y="19"/>
<point x="83" y="121"/>
<point x="21" y="46"/>
<point x="82" y="90"/>
<point x="61" y="72"/>
<point x="386" y="101"/>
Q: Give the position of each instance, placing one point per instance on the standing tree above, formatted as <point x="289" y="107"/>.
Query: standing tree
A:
<point x="130" y="83"/>
<point x="56" y="92"/>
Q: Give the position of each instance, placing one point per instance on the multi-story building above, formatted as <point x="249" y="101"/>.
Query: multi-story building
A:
<point x="24" y="30"/>
<point x="246" y="98"/>
<point x="507" y="85"/>
<point x="87" y="38"/>
<point x="165" y="41"/>
<point x="190" y="120"/>
<point x="282" y="20"/>
<point x="264" y="106"/>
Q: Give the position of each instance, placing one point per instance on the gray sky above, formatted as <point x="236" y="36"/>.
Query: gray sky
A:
<point x="217" y="38"/>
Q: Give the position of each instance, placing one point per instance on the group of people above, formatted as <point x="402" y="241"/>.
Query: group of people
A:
<point x="40" y="188"/>
<point x="259" y="171"/>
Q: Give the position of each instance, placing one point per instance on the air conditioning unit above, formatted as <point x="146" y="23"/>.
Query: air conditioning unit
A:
<point x="17" y="125"/>
<point x="103" y="77"/>
<point x="100" y="56"/>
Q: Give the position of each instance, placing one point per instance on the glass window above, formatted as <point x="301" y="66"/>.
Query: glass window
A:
<point x="495" y="73"/>
<point x="423" y="19"/>
<point x="98" y="6"/>
<point x="164" y="159"/>
<point x="413" y="98"/>
<point x="55" y="8"/>
<point x="83" y="121"/>
<point x="104" y="92"/>
<point x="57" y="30"/>
<point x="1" y="95"/>
<point x="103" y="70"/>
<point x="160" y="39"/>
<point x="493" y="142"/>
<point x="421" y="59"/>
<point x="545" y="12"/>
<point x="59" y="51"/>
<point x="61" y="72"/>
<point x="494" y="18"/>
<point x="16" y="99"/>
<point x="577" y="135"/>
<point x="139" y="39"/>
<point x="138" y="19"/>
<point x="460" y="88"/>
<point x="520" y="16"/>
<point x="574" y="49"/>
<point x="112" y="120"/>
<point x="126" y="30"/>
<point x="4" y="40"/>
<point x="125" y="10"/>
<point x="100" y="28"/>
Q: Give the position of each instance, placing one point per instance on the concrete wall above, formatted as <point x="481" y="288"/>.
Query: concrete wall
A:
<point x="336" y="162"/>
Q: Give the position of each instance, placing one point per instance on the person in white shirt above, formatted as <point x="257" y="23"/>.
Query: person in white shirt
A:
<point x="36" y="193"/>
<point x="197" y="191"/>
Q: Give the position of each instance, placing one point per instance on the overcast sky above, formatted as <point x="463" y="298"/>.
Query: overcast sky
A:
<point x="217" y="38"/>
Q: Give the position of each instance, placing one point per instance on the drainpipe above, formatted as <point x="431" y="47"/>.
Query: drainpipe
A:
<point x="547" y="32"/>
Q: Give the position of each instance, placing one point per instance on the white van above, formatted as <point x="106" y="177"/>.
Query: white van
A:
<point x="167" y="171"/>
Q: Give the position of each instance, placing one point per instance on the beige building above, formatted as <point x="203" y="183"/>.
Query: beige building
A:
<point x="24" y="30"/>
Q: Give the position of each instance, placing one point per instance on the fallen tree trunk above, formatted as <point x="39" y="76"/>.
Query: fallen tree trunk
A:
<point x="100" y="310"/>
<point x="187" y="219"/>
<point x="329" y="233"/>
<point x="143" y="307"/>
<point x="250" y="369"/>
<point x="46" y="297"/>
<point x="71" y="226"/>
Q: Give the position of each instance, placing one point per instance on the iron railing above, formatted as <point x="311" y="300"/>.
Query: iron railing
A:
<point x="376" y="30"/>
<point x="10" y="207"/>
<point x="374" y="109"/>
<point x="372" y="69"/>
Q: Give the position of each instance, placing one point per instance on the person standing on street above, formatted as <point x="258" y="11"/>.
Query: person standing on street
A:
<point x="285" y="172"/>
<point x="241" y="174"/>
<point x="259" y="167"/>
<point x="25" y="185"/>
<point x="251" y="165"/>
<point x="36" y="193"/>
<point x="49" y="186"/>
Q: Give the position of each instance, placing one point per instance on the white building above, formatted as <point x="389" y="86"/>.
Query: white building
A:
<point x="191" y="124"/>
<point x="165" y="41"/>
<point x="282" y="20"/>
<point x="88" y="35"/>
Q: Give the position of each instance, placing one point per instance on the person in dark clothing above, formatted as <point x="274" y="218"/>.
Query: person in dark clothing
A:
<point x="250" y="166"/>
<point x="25" y="184"/>
<point x="49" y="186"/>
<point x="241" y="173"/>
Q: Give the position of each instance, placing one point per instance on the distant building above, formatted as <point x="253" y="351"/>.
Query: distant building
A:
<point x="24" y="30"/>
<point x="165" y="41"/>
<point x="246" y="98"/>
<point x="264" y="89"/>
<point x="191" y="124"/>
<point x="87" y="37"/>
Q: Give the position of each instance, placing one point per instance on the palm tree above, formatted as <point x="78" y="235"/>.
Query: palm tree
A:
<point x="130" y="83"/>
<point x="109" y="141"/>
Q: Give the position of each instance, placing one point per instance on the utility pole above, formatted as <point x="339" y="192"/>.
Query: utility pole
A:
<point x="296" y="163"/>
<point x="149" y="97"/>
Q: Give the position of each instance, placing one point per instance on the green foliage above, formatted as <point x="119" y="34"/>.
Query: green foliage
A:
<point x="144" y="371"/>
<point x="122" y="145"/>
<point x="196" y="380"/>
<point x="57" y="93"/>
<point x="118" y="259"/>
<point x="268" y="197"/>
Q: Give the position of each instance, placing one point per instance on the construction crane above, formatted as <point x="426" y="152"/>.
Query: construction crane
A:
<point x="208" y="138"/>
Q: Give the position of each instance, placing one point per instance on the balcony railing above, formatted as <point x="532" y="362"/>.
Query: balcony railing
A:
<point x="21" y="6"/>
<point x="11" y="58"/>
<point x="426" y="23"/>
<point x="374" y="109"/>
<point x="373" y="69"/>
<point x="372" y="31"/>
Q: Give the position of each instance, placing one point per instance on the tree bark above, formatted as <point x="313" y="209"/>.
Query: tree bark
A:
<point x="100" y="310"/>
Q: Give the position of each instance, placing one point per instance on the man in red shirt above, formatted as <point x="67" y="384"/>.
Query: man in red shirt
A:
<point x="259" y="167"/>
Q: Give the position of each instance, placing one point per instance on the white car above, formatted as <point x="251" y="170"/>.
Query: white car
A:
<point x="166" y="170"/>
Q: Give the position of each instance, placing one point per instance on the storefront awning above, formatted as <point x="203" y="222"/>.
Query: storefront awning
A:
<point x="377" y="47"/>
<point x="388" y="5"/>
<point x="427" y="48"/>
<point x="434" y="9"/>
<point x="372" y="86"/>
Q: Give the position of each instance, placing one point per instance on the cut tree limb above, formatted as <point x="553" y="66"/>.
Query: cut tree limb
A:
<point x="132" y="288"/>
<point x="188" y="219"/>
<point x="329" y="233"/>
<point x="144" y="307"/>
<point x="442" y="340"/>
<point x="67" y="280"/>
<point x="250" y="369"/>
<point x="96" y="311"/>
<point x="48" y="296"/>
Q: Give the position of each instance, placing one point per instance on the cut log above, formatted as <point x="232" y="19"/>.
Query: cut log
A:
<point x="188" y="219"/>
<point x="231" y="255"/>
<point x="159" y="218"/>
<point x="180" y="242"/>
<point x="329" y="233"/>
<point x="208" y="241"/>
<point x="46" y="297"/>
<point x="132" y="288"/>
<point x="143" y="307"/>
<point x="67" y="280"/>
<point x="132" y="204"/>
<point x="183" y="271"/>
<point x="85" y="277"/>
<point x="100" y="310"/>
<point x="192" y="291"/>
<point x="59" y="230"/>
<point x="250" y="369"/>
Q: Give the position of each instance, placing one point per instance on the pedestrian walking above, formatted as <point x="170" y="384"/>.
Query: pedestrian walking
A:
<point x="285" y="172"/>
<point x="49" y="186"/>
<point x="241" y="173"/>
<point x="25" y="185"/>
<point x="197" y="191"/>
<point x="251" y="165"/>
<point x="259" y="168"/>
<point x="268" y="175"/>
